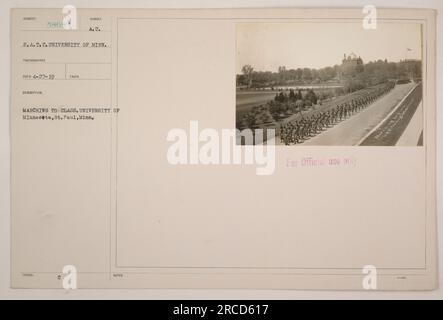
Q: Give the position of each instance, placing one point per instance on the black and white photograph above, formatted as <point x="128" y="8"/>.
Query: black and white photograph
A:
<point x="331" y="83"/>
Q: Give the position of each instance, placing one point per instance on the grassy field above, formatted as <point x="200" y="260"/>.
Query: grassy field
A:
<point x="247" y="100"/>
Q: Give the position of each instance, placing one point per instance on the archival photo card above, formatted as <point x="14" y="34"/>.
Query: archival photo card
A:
<point x="217" y="148"/>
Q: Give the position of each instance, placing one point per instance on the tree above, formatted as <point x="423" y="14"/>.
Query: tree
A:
<point x="299" y="95"/>
<point x="282" y="74"/>
<point x="307" y="75"/>
<point x="280" y="97"/>
<point x="281" y="69"/>
<point x="311" y="96"/>
<point x="247" y="71"/>
<point x="300" y="105"/>
<point x="299" y="73"/>
<point x="292" y="96"/>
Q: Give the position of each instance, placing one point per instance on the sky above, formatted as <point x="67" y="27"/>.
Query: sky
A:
<point x="268" y="45"/>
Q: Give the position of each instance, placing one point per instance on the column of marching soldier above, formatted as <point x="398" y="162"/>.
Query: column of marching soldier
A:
<point x="299" y="130"/>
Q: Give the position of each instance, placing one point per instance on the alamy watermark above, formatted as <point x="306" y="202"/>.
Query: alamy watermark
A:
<point x="370" y="279"/>
<point x="228" y="146"/>
<point x="69" y="281"/>
<point x="70" y="17"/>
<point x="370" y="19"/>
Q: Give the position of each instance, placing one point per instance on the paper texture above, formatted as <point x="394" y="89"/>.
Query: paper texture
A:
<point x="123" y="166"/>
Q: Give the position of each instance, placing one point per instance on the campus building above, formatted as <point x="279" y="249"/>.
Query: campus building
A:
<point x="350" y="65"/>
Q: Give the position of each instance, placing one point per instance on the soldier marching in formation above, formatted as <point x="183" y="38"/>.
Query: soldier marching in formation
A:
<point x="297" y="131"/>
